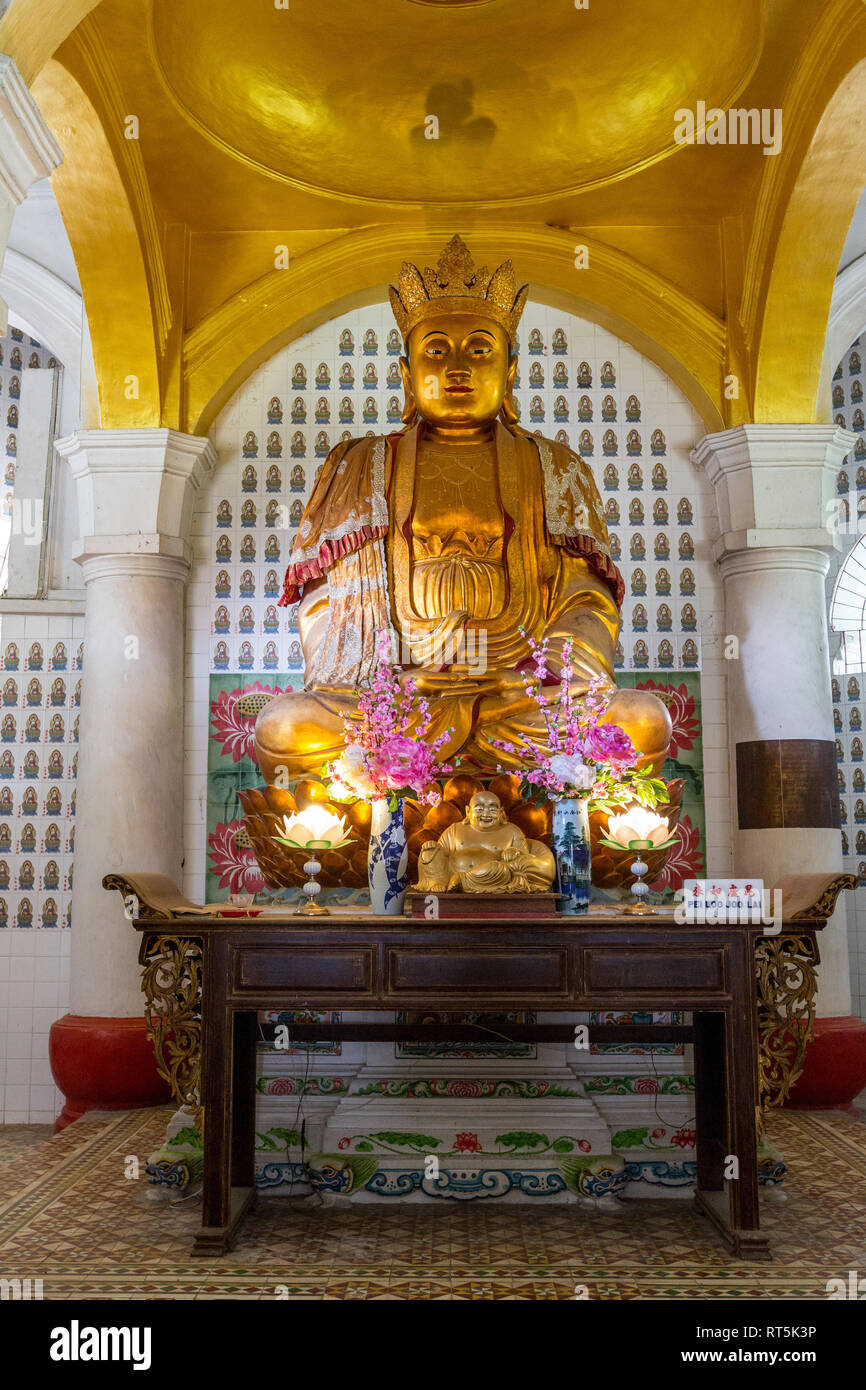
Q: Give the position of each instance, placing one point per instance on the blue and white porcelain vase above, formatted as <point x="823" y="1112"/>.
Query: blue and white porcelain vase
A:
<point x="387" y="858"/>
<point x="572" y="850"/>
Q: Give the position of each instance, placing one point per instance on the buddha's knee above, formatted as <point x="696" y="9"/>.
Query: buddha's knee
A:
<point x="645" y="718"/>
<point x="295" y="734"/>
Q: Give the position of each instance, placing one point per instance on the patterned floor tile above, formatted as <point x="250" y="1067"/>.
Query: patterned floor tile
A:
<point x="68" y="1215"/>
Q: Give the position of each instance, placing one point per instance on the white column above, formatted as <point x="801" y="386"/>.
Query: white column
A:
<point x="136" y="491"/>
<point x="28" y="150"/>
<point x="775" y="487"/>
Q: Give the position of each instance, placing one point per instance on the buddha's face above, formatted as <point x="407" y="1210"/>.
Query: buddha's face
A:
<point x="485" y="810"/>
<point x="459" y="369"/>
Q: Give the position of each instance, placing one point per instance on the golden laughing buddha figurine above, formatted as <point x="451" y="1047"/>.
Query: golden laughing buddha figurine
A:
<point x="462" y="535"/>
<point x="484" y="853"/>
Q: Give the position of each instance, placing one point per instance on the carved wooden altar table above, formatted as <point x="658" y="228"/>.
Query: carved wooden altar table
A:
<point x="217" y="971"/>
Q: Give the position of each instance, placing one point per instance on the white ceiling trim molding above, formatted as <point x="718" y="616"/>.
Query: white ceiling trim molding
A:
<point x="47" y="305"/>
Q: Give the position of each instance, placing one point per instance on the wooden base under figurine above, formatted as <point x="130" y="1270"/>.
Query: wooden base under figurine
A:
<point x="448" y="906"/>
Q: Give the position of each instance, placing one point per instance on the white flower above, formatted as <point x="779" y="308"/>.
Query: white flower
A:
<point x="353" y="755"/>
<point x="572" y="771"/>
<point x="351" y="769"/>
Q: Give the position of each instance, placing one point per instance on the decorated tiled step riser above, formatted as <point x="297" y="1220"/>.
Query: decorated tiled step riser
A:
<point x="372" y="1179"/>
<point x="384" y="1109"/>
<point x="382" y="1130"/>
<point x="532" y="1107"/>
<point x="370" y="1176"/>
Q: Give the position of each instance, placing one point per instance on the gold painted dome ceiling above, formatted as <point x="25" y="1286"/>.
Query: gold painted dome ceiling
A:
<point x="531" y="100"/>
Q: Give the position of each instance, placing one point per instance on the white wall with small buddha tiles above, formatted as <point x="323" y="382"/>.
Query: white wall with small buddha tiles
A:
<point x="576" y="381"/>
<point x="41" y="663"/>
<point x="849" y="668"/>
<point x="39" y="673"/>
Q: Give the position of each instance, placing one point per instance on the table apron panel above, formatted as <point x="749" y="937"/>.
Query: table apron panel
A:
<point x="345" y="969"/>
<point x="478" y="972"/>
<point x="618" y="968"/>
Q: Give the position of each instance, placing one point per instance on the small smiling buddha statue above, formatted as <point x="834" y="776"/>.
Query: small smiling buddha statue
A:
<point x="484" y="853"/>
<point x="463" y="536"/>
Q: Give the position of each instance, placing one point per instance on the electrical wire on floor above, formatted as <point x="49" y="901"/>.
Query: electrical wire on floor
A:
<point x="662" y="1121"/>
<point x="302" y="1091"/>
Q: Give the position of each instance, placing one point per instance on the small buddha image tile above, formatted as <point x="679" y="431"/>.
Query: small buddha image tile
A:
<point x="681" y="692"/>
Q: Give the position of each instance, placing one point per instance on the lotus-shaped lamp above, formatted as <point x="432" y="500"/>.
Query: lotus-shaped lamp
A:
<point x="314" y="830"/>
<point x="637" y="828"/>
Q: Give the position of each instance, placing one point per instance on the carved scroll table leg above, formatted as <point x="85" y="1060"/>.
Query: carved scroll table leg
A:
<point x="787" y="983"/>
<point x="171" y="982"/>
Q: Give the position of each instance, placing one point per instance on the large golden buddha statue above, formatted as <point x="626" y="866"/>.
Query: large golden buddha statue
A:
<point x="461" y="535"/>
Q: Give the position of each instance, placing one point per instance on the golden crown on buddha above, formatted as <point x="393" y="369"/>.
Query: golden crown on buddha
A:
<point x="420" y="295"/>
<point x="461" y="535"/>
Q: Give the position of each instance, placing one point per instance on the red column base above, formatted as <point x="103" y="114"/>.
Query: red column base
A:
<point x="835" y="1070"/>
<point x="103" y="1064"/>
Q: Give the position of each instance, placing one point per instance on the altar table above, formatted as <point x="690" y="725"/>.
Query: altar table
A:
<point x="353" y="960"/>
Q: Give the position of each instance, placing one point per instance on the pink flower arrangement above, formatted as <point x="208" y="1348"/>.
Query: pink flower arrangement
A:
<point x="587" y="759"/>
<point x="379" y="759"/>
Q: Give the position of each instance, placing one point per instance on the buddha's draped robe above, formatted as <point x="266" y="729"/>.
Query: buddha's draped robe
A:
<point x="546" y="573"/>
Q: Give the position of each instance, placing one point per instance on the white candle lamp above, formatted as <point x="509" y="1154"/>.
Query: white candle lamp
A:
<point x="314" y="830"/>
<point x="641" y="831"/>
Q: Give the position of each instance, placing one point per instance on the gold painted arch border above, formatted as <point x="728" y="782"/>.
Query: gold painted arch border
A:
<point x="681" y="336"/>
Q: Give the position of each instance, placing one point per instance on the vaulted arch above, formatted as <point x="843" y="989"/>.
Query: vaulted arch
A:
<point x="105" y="240"/>
<point x="807" y="200"/>
<point x="31" y="31"/>
<point x="657" y="318"/>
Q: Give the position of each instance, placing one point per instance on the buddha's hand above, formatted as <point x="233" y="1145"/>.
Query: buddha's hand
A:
<point x="440" y="645"/>
<point x="495" y="681"/>
<point x="511" y="682"/>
